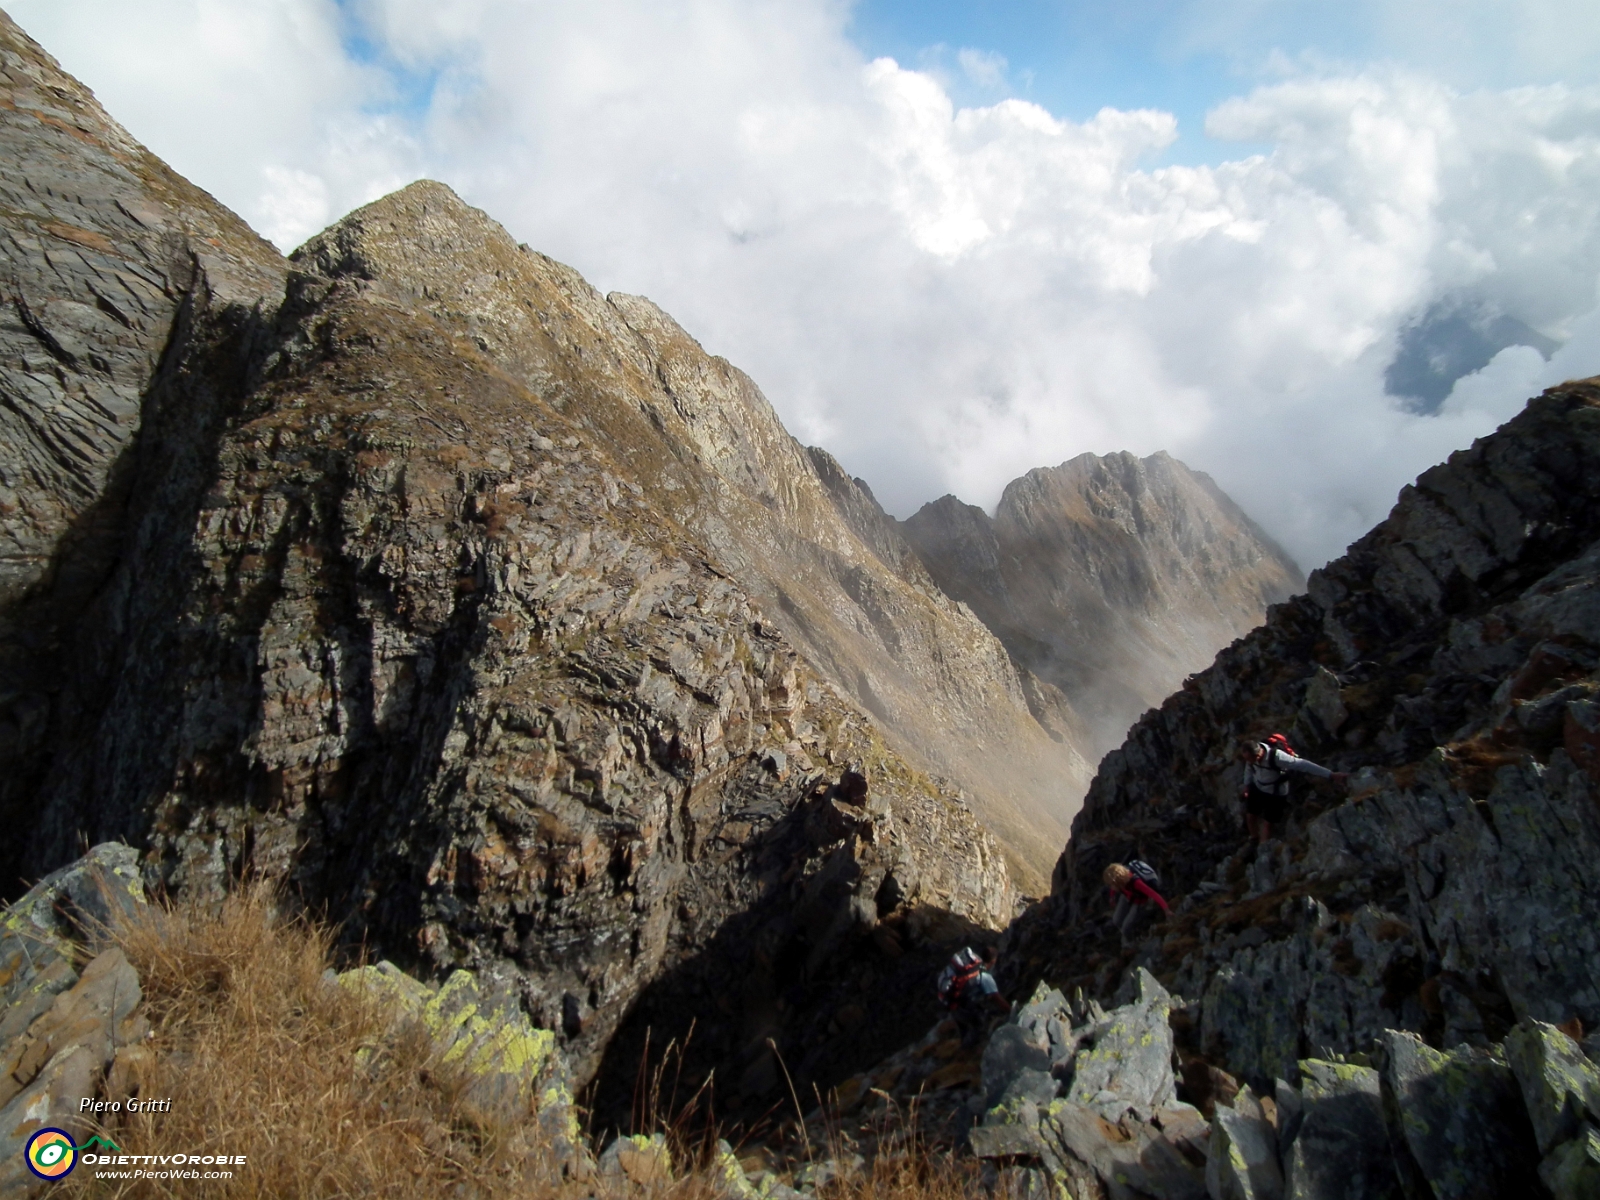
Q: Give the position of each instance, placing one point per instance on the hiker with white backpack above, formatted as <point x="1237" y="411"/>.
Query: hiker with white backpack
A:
<point x="1267" y="767"/>
<point x="1133" y="887"/>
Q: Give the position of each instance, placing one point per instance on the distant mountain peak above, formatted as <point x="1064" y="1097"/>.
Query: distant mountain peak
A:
<point x="1110" y="576"/>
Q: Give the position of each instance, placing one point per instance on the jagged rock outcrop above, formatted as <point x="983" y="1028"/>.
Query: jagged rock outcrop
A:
<point x="106" y="254"/>
<point x="414" y="597"/>
<point x="1110" y="577"/>
<point x="67" y="1001"/>
<point x="1105" y="1121"/>
<point x="1440" y="904"/>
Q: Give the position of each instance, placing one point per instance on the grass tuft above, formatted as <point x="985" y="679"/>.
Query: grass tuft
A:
<point x="263" y="1056"/>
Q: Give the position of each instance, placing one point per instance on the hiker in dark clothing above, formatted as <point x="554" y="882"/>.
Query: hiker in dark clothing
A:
<point x="1132" y="896"/>
<point x="969" y="991"/>
<point x="1267" y="767"/>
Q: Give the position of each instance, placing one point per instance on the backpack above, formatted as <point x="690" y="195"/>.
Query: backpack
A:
<point x="1145" y="873"/>
<point x="964" y="966"/>
<point x="1279" y="742"/>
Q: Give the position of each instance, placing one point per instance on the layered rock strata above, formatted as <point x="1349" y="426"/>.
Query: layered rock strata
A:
<point x="108" y="255"/>
<point x="808" y="543"/>
<point x="1451" y="662"/>
<point x="1110" y="577"/>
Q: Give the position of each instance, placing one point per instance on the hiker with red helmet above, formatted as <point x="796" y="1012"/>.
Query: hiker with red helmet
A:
<point x="1267" y="767"/>
<point x="1133" y="887"/>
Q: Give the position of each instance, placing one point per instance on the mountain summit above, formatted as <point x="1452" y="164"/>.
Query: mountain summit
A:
<point x="1110" y="577"/>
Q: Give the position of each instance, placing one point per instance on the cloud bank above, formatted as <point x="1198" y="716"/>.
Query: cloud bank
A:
<point x="944" y="297"/>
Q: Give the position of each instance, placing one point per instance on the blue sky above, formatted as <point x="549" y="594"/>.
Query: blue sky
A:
<point x="1212" y="215"/>
<point x="1185" y="56"/>
<point x="1073" y="59"/>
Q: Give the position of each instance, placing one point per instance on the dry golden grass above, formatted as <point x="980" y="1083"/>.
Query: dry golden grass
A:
<point x="262" y="1057"/>
<point x="259" y="1055"/>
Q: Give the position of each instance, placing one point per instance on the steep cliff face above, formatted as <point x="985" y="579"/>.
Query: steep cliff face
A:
<point x="106" y="253"/>
<point x="1451" y="662"/>
<point x="809" y="544"/>
<point x="1109" y="577"/>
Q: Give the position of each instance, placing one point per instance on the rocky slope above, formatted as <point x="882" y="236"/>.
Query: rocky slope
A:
<point x="1397" y="997"/>
<point x="1110" y="577"/>
<point x="381" y="605"/>
<point x="808" y="543"/>
<point x="1451" y="662"/>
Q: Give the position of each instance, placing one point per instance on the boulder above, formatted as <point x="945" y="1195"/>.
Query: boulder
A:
<point x="1242" y="1162"/>
<point x="1560" y="1086"/>
<point x="1036" y="1087"/>
<point x="1572" y="1170"/>
<point x="639" y="1160"/>
<point x="80" y="902"/>
<point x="1129" y="1154"/>
<point x="1011" y="1051"/>
<point x="1006" y="1139"/>
<point x="513" y="1068"/>
<point x="1460" y="1118"/>
<point x="1339" y="1148"/>
<point x="1130" y="1064"/>
<point x="818" y="1175"/>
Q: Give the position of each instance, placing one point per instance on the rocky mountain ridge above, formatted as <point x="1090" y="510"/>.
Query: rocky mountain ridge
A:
<point x="1436" y="919"/>
<point x="1111" y="577"/>
<point x="808" y="543"/>
<point x="489" y="616"/>
<point x="373" y="617"/>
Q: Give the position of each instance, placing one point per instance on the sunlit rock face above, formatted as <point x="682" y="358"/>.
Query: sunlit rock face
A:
<point x="809" y="544"/>
<point x="1110" y="577"/>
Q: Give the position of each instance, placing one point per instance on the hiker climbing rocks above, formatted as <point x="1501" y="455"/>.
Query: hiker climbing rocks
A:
<point x="1267" y="767"/>
<point x="1133" y="887"/>
<point x="967" y="988"/>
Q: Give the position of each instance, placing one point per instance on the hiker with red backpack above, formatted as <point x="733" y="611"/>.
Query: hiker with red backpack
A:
<point x="967" y="988"/>
<point x="1267" y="767"/>
<point x="1133" y="886"/>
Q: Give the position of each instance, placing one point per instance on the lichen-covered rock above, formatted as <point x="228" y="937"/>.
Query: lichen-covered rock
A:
<point x="1560" y="1086"/>
<point x="512" y="1067"/>
<point x="642" y="1161"/>
<point x="1242" y="1161"/>
<point x="1572" y="1170"/>
<point x="38" y="933"/>
<point x="1130" y="1064"/>
<point x="1340" y="1148"/>
<point x="1460" y="1118"/>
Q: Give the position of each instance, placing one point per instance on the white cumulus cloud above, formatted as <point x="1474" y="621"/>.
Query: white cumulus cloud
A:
<point x="944" y="296"/>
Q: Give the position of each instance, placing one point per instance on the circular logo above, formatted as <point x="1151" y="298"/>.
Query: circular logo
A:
<point x="51" y="1154"/>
